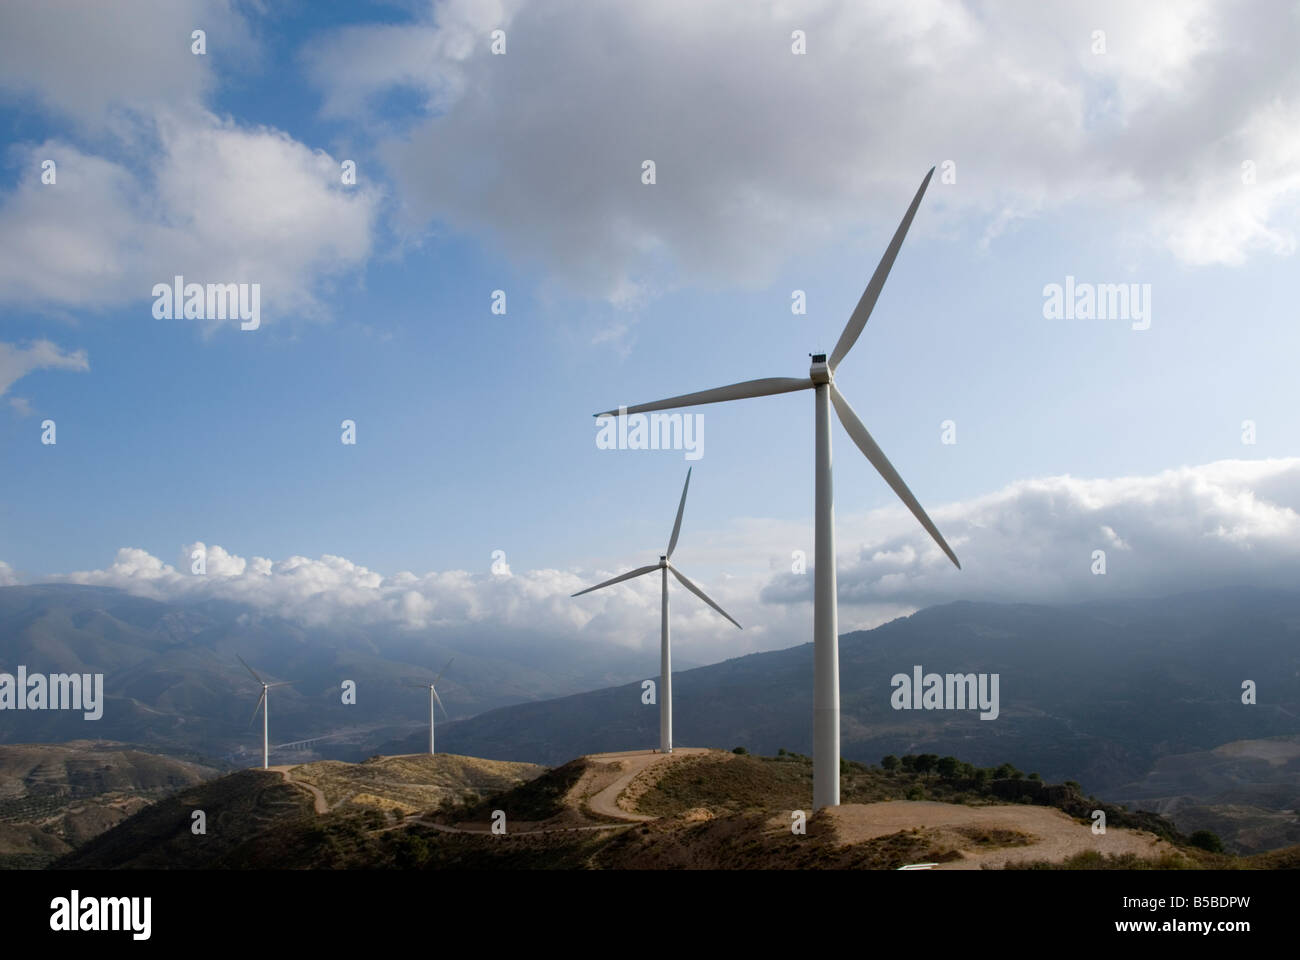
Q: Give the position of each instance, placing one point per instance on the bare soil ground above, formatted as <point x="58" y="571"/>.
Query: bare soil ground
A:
<point x="981" y="834"/>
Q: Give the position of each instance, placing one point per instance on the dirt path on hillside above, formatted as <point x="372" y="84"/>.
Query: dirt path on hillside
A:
<point x="1054" y="835"/>
<point x="319" y="798"/>
<point x="610" y="775"/>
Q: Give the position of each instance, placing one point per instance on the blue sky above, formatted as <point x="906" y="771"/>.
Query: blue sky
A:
<point x="475" y="431"/>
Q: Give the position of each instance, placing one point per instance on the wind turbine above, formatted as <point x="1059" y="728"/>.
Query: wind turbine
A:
<point x="665" y="657"/>
<point x="264" y="703"/>
<point x="821" y="380"/>
<point x="433" y="695"/>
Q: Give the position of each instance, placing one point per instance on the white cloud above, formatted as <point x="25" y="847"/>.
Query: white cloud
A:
<point x="149" y="183"/>
<point x="1229" y="523"/>
<point x="1222" y="524"/>
<point x="16" y="362"/>
<point x="761" y="153"/>
<point x="8" y="578"/>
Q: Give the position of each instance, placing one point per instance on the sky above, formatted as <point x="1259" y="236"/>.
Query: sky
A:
<point x="1156" y="146"/>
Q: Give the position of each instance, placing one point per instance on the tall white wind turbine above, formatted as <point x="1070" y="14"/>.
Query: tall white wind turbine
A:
<point x="821" y="380"/>
<point x="433" y="696"/>
<point x="665" y="656"/>
<point x="263" y="703"/>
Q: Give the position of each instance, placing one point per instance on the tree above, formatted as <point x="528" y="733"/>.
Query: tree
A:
<point x="1005" y="772"/>
<point x="926" y="762"/>
<point x="740" y="750"/>
<point x="1034" y="776"/>
<point x="948" y="767"/>
<point x="889" y="762"/>
<point x="1206" y="840"/>
<point x="908" y="762"/>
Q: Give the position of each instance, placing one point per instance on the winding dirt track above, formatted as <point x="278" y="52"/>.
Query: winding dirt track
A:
<point x="627" y="766"/>
<point x="319" y="798"/>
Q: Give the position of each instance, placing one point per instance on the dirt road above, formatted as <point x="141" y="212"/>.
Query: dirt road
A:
<point x="611" y="774"/>
<point x="1054" y="835"/>
<point x="317" y="796"/>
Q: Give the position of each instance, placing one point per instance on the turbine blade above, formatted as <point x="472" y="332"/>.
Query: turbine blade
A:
<point x="257" y="708"/>
<point x="735" y="391"/>
<point x="627" y="576"/>
<point x="869" y="296"/>
<point x="439" y="699"/>
<point x="249" y="669"/>
<point x="701" y="594"/>
<point x="886" y="469"/>
<point x="422" y="684"/>
<point x="443" y="670"/>
<point x="677" y="526"/>
<point x="281" y="683"/>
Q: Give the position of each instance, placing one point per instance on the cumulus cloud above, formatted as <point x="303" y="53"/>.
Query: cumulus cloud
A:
<point x="16" y="362"/>
<point x="1233" y="522"/>
<point x="1222" y="524"/>
<point x="761" y="152"/>
<point x="8" y="578"/>
<point x="148" y="183"/>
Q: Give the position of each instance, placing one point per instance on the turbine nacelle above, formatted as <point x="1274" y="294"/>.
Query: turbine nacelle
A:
<point x="821" y="370"/>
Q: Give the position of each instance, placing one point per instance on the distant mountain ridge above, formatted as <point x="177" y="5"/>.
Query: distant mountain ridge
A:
<point x="1095" y="692"/>
<point x="172" y="680"/>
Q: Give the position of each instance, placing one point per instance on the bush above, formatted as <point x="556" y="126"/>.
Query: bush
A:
<point x="740" y="750"/>
<point x="1034" y="776"/>
<point x="889" y="763"/>
<point x="1206" y="840"/>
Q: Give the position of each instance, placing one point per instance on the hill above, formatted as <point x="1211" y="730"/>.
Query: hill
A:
<point x="55" y="797"/>
<point x="701" y="809"/>
<point x="289" y="804"/>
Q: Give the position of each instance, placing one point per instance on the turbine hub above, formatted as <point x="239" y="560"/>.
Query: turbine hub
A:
<point x="821" y="371"/>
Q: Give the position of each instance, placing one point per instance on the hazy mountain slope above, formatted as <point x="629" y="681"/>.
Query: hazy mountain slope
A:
<point x="1095" y="692"/>
<point x="55" y="797"/>
<point x="172" y="680"/>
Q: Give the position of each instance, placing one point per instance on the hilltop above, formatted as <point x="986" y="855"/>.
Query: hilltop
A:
<point x="637" y="810"/>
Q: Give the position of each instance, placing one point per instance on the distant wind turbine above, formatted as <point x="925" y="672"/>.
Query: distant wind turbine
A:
<point x="433" y="696"/>
<point x="665" y="657"/>
<point x="263" y="703"/>
<point x="821" y="380"/>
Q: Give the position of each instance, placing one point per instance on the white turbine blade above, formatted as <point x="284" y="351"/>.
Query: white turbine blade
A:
<point x="439" y="699"/>
<point x="257" y="708"/>
<point x="639" y="571"/>
<point x="886" y="469"/>
<point x="443" y="670"/>
<point x="281" y="683"/>
<point x="735" y="391"/>
<point x="422" y="684"/>
<point x="869" y="296"/>
<point x="249" y="669"/>
<point x="677" y="526"/>
<point x="700" y="593"/>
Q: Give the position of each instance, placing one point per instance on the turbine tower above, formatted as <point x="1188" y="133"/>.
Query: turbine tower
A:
<point x="665" y="655"/>
<point x="433" y="696"/>
<point x="263" y="703"/>
<point x="821" y="380"/>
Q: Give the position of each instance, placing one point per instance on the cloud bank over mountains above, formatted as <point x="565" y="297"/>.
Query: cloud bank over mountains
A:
<point x="1228" y="523"/>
